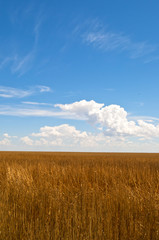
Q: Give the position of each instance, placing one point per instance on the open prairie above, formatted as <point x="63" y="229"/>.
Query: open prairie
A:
<point x="112" y="196"/>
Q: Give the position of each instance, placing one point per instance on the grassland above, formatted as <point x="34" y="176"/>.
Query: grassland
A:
<point x="79" y="196"/>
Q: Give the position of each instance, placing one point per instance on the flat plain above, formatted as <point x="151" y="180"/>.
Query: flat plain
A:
<point x="111" y="196"/>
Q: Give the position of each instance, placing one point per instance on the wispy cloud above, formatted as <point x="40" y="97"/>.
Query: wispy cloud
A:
<point x="144" y="118"/>
<point x="96" y="35"/>
<point x="109" y="89"/>
<point x="44" y="88"/>
<point x="8" y="92"/>
<point x="22" y="64"/>
<point x="151" y="59"/>
<point x="5" y="61"/>
<point x="18" y="64"/>
<point x="18" y="61"/>
<point x="37" y="26"/>
<point x="108" y="41"/>
<point x="38" y="103"/>
<point x="21" y="111"/>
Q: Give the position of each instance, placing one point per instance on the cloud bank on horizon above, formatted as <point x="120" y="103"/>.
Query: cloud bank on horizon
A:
<point x="110" y="125"/>
<point x="112" y="120"/>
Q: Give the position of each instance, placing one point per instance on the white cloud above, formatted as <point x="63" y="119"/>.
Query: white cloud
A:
<point x="97" y="36"/>
<point x="67" y="138"/>
<point x="63" y="130"/>
<point x="9" y="92"/>
<point x="27" y="140"/>
<point x="5" y="141"/>
<point x="83" y="109"/>
<point x="5" y="61"/>
<point x="38" y="103"/>
<point x="34" y="112"/>
<point x="113" y="119"/>
<point x="61" y="136"/>
<point x="6" y="135"/>
<point x="44" y="89"/>
<point x="22" y="65"/>
<point x="19" y="64"/>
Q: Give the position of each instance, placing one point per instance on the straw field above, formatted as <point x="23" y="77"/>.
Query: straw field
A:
<point x="49" y="196"/>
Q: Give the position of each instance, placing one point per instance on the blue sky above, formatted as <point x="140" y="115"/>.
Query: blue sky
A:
<point x="79" y="75"/>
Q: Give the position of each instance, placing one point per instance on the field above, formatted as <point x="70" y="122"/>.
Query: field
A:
<point x="111" y="196"/>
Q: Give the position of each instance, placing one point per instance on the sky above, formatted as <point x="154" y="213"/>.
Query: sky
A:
<point x="79" y="75"/>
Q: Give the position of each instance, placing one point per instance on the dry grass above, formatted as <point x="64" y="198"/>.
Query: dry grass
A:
<point x="79" y="196"/>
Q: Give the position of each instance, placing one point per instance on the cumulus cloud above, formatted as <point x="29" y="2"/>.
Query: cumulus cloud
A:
<point x="5" y="141"/>
<point x="60" y="131"/>
<point x="112" y="119"/>
<point x="67" y="138"/>
<point x="64" y="135"/>
<point x="83" y="109"/>
<point x="6" y="135"/>
<point x="27" y="140"/>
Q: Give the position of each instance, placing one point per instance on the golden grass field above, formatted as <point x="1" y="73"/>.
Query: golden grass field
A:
<point x="111" y="196"/>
